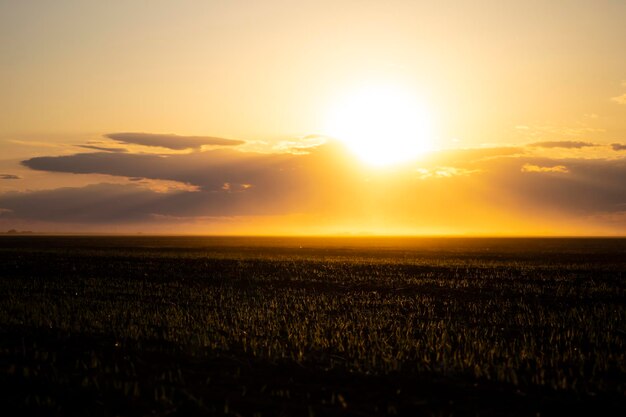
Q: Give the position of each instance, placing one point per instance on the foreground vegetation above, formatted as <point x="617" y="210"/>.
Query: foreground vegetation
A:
<point x="193" y="326"/>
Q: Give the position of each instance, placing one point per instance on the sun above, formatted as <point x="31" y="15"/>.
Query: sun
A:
<point x="381" y="124"/>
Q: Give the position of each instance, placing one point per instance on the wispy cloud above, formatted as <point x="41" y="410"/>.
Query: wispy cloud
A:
<point x="562" y="144"/>
<point x="455" y="157"/>
<point x="171" y="141"/>
<point x="103" y="148"/>
<point x="9" y="177"/>
<point x="620" y="99"/>
<point x="537" y="168"/>
<point x="301" y="145"/>
<point x="541" y="131"/>
<point x="444" y="172"/>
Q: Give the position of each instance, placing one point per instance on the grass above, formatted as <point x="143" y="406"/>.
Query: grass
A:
<point x="209" y="326"/>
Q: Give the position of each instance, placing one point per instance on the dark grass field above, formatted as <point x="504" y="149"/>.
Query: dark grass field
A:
<point x="161" y="326"/>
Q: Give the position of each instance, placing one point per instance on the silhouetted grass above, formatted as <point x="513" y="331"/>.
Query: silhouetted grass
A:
<point x="134" y="326"/>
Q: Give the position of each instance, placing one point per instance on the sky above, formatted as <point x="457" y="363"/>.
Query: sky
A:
<point x="325" y="117"/>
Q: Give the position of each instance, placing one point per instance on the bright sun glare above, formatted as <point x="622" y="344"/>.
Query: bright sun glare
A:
<point x="382" y="125"/>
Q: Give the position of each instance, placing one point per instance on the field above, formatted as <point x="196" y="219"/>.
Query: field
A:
<point x="162" y="326"/>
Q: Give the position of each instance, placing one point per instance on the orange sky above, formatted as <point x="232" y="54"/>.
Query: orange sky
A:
<point x="504" y="117"/>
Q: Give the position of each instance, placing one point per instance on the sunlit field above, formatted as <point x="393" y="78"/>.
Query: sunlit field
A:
<point x="312" y="327"/>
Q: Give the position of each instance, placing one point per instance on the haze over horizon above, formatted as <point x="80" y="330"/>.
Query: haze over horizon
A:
<point x="315" y="118"/>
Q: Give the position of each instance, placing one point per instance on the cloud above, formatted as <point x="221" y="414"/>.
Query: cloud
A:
<point x="93" y="203"/>
<point x="537" y="168"/>
<point x="208" y="170"/>
<point x="561" y="144"/>
<point x="9" y="177"/>
<point x="444" y="172"/>
<point x="620" y="99"/>
<point x="618" y="147"/>
<point x="301" y="145"/>
<point x="106" y="203"/>
<point x="171" y="141"/>
<point x="103" y="148"/>
<point x="225" y="183"/>
<point x="235" y="188"/>
<point x="589" y="186"/>
<point x="451" y="157"/>
<point x="541" y="131"/>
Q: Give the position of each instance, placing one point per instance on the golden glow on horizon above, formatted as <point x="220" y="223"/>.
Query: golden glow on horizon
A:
<point x="382" y="124"/>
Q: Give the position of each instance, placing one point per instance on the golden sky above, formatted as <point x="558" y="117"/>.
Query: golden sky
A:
<point x="322" y="117"/>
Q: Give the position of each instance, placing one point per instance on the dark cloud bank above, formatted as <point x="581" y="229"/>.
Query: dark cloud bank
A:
<point x="234" y="183"/>
<point x="229" y="183"/>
